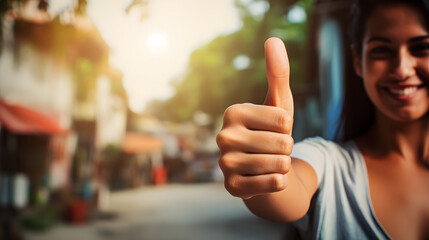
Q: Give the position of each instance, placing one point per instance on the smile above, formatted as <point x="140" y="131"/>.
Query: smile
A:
<point x="403" y="92"/>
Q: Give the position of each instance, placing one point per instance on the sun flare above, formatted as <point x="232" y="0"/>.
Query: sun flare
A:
<point x="157" y="42"/>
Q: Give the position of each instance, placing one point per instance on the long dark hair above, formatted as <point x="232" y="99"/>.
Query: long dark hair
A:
<point x="358" y="112"/>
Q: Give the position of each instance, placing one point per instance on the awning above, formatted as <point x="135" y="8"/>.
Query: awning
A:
<point x="20" y="119"/>
<point x="135" y="143"/>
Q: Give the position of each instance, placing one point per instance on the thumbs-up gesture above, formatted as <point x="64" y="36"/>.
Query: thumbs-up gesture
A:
<point x="255" y="140"/>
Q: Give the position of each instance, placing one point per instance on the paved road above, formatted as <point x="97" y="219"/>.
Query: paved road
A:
<point x="188" y="212"/>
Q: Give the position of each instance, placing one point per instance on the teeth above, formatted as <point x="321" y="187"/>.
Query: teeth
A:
<point x="403" y="91"/>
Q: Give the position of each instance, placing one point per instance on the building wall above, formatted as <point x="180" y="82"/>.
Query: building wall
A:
<point x="35" y="81"/>
<point x="111" y="115"/>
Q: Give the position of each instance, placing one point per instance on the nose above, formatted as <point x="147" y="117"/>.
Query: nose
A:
<point x="404" y="65"/>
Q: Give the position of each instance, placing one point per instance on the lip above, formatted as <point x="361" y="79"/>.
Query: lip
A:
<point x="403" y="92"/>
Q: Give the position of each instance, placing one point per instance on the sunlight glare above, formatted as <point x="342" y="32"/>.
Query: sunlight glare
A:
<point x="157" y="42"/>
<point x="153" y="52"/>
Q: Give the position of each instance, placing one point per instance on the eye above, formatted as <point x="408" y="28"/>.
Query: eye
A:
<point x="381" y="51"/>
<point x="420" y="50"/>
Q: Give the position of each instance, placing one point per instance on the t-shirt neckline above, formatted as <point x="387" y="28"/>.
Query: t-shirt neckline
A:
<point x="367" y="191"/>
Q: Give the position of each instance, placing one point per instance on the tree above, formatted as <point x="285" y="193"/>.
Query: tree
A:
<point x="212" y="82"/>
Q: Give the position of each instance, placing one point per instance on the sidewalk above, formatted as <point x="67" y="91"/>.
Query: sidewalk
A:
<point x="202" y="211"/>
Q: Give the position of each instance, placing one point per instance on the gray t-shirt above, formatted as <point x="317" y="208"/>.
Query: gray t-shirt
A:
<point x="341" y="207"/>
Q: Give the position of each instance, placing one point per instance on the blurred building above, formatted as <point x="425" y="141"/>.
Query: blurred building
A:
<point x="189" y="151"/>
<point x="33" y="146"/>
<point x="61" y="103"/>
<point x="36" y="95"/>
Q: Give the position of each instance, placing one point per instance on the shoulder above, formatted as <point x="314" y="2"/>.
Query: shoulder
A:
<point x="321" y="144"/>
<point x="327" y="156"/>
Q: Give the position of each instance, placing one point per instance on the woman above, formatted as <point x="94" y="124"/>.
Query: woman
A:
<point x="375" y="183"/>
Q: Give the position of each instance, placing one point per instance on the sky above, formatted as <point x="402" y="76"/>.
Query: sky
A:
<point x="154" y="51"/>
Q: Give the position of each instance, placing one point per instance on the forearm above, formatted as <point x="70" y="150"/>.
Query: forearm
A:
<point x="290" y="204"/>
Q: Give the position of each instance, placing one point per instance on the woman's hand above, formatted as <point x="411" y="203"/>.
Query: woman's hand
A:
<point x="255" y="140"/>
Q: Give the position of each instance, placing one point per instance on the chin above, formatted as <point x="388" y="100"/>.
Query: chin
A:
<point x="405" y="116"/>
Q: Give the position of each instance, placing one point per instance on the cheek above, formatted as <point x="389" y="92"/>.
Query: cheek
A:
<point x="376" y="69"/>
<point x="373" y="72"/>
<point x="370" y="89"/>
<point x="423" y="72"/>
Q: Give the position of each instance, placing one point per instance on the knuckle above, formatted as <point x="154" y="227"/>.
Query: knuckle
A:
<point x="232" y="112"/>
<point x="282" y="143"/>
<point x="289" y="120"/>
<point x="225" y="139"/>
<point x="283" y="164"/>
<point x="282" y="75"/>
<point x="226" y="162"/>
<point x="285" y="144"/>
<point x="223" y="164"/>
<point x="288" y="145"/>
<point x="220" y="138"/>
<point x="232" y="185"/>
<point x="283" y="121"/>
<point x="277" y="182"/>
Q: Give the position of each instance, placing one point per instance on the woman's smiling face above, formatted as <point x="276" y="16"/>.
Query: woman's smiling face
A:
<point x="394" y="62"/>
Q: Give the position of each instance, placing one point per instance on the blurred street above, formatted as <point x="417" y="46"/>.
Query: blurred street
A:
<point x="182" y="211"/>
<point x="98" y="97"/>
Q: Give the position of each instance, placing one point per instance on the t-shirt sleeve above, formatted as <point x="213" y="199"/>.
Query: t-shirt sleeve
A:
<point x="312" y="151"/>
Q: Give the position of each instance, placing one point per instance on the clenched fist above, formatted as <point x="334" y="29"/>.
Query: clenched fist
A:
<point x="255" y="140"/>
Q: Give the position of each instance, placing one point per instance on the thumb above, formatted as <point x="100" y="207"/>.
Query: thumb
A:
<point x="277" y="65"/>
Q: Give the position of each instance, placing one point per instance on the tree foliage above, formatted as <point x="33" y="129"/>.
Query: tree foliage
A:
<point x="84" y="52"/>
<point x="211" y="82"/>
